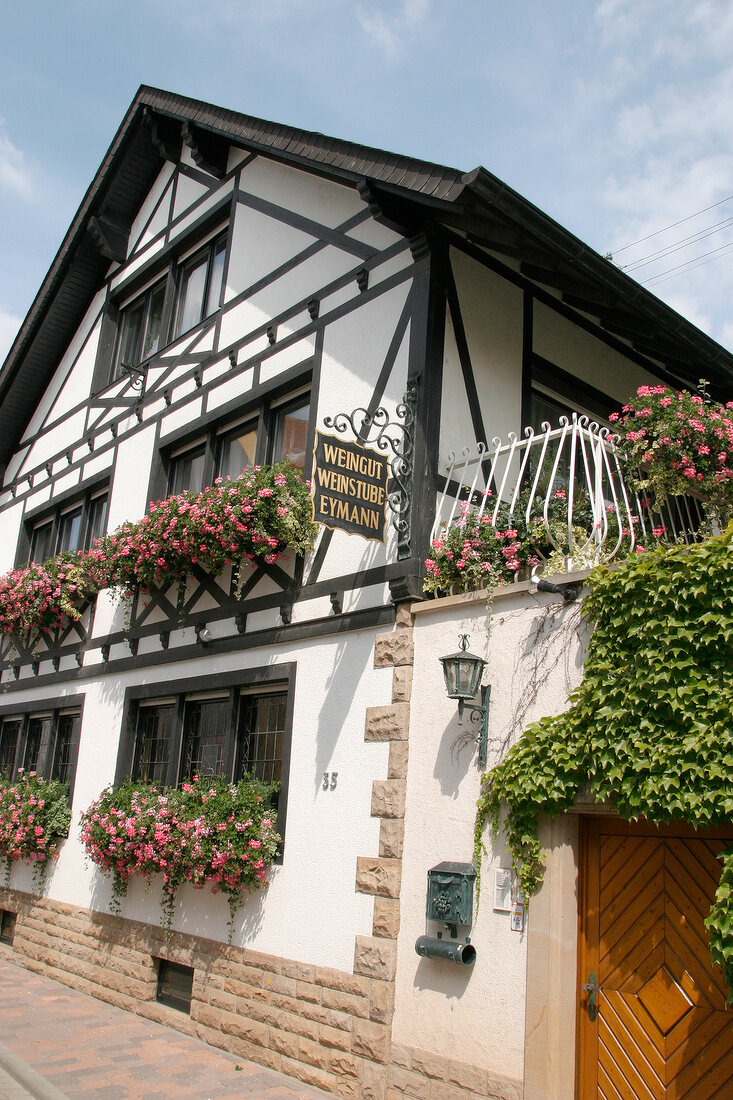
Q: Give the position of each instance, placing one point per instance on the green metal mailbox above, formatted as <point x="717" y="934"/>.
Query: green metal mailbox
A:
<point x="450" y="893"/>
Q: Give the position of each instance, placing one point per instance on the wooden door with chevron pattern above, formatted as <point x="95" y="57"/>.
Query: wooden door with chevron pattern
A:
<point x="653" y="1022"/>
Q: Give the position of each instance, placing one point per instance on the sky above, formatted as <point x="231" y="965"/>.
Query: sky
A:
<point x="612" y="116"/>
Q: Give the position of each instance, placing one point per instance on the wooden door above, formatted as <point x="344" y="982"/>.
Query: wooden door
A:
<point x="662" y="1029"/>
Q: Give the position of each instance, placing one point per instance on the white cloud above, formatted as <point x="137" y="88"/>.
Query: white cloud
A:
<point x="670" y="148"/>
<point x="9" y="325"/>
<point x="15" y="173"/>
<point x="389" y="31"/>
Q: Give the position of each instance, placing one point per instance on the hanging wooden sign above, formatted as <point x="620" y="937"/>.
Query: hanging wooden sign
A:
<point x="349" y="487"/>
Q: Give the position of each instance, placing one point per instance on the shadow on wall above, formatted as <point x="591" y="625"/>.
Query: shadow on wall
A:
<point x="197" y="912"/>
<point x="456" y="755"/>
<point x="443" y="977"/>
<point x="342" y="684"/>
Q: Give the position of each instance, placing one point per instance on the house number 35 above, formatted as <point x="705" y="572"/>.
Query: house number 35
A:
<point x="329" y="781"/>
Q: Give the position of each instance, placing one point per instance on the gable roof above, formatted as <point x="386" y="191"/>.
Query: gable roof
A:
<point x="478" y="204"/>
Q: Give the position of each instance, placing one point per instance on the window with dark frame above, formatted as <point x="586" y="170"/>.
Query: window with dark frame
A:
<point x="45" y="742"/>
<point x="37" y="739"/>
<point x="67" y="737"/>
<point x="153" y="741"/>
<point x="176" y="300"/>
<point x="290" y="432"/>
<point x="260" y="736"/>
<point x="175" y="985"/>
<point x="186" y="470"/>
<point x="139" y="329"/>
<point x="199" y="282"/>
<point x="237" y="450"/>
<point x="9" y="736"/>
<point x="70" y="528"/>
<point x="227" y="452"/>
<point x="206" y="723"/>
<point x="239" y="731"/>
<point x="7" y="926"/>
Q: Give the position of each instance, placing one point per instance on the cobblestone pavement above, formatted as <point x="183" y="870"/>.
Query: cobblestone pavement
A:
<point x="59" y="1043"/>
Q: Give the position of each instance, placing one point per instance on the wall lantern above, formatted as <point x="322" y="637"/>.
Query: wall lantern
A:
<point x="463" y="672"/>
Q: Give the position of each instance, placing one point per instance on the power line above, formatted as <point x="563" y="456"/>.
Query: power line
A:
<point x="672" y="226"/>
<point x="677" y="245"/>
<point x="686" y="242"/>
<point x="680" y="267"/>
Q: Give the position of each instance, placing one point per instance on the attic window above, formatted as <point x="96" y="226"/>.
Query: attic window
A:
<point x="199" y="285"/>
<point x="139" y="328"/>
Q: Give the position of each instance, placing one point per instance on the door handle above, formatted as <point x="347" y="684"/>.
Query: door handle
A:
<point x="592" y="989"/>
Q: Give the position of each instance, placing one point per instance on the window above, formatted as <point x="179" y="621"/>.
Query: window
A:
<point x="175" y="985"/>
<point x="199" y="285"/>
<point x="153" y="740"/>
<point x="139" y="328"/>
<point x="261" y="735"/>
<point x="194" y="734"/>
<point x="9" y="737"/>
<point x="555" y="393"/>
<point x="291" y="430"/>
<point x="186" y="471"/>
<point x="223" y="726"/>
<point x="44" y="741"/>
<point x="7" y="926"/>
<point x="237" y="450"/>
<point x="65" y="748"/>
<point x="206" y="723"/>
<point x="176" y="300"/>
<point x="70" y="528"/>
<point x="271" y="434"/>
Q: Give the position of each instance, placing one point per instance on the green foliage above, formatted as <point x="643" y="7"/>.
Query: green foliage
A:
<point x="650" y="728"/>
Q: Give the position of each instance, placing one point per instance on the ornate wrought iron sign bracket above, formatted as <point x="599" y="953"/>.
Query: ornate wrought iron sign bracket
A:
<point x="396" y="437"/>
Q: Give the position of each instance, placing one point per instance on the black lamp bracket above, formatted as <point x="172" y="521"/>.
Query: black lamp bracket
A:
<point x="480" y="717"/>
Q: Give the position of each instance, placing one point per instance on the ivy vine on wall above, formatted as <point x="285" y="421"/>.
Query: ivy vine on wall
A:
<point x="650" y="728"/>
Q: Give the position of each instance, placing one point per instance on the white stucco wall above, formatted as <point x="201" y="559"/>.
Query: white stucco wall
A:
<point x="491" y="311"/>
<point x="477" y="1014"/>
<point x="311" y="911"/>
<point x="580" y="353"/>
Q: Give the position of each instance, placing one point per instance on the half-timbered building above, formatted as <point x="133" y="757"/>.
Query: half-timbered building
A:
<point x="230" y="293"/>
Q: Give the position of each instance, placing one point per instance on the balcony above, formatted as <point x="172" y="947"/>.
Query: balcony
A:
<point x="558" y="500"/>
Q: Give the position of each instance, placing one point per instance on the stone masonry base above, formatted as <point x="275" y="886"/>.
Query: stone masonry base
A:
<point x="325" y="1027"/>
<point x="424" y="1075"/>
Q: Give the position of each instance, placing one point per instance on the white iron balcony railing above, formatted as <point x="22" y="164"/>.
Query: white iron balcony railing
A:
<point x="570" y="479"/>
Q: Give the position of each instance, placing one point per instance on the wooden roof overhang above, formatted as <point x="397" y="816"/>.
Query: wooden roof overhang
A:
<point x="410" y="193"/>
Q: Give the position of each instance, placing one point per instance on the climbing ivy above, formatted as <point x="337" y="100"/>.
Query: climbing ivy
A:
<point x="650" y="728"/>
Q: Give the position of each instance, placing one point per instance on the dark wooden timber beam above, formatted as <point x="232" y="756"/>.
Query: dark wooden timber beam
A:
<point x="209" y="153"/>
<point x="165" y="136"/>
<point x="111" y="239"/>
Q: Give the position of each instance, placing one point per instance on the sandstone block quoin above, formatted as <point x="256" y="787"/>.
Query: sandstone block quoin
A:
<point x="388" y="798"/>
<point x="386" y="920"/>
<point x="392" y="649"/>
<point x="375" y="958"/>
<point x="391" y="837"/>
<point x="398" y="757"/>
<point x="378" y="876"/>
<point x="402" y="684"/>
<point x="387" y="723"/>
